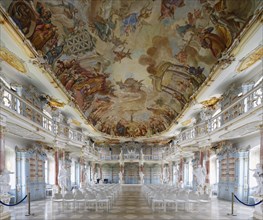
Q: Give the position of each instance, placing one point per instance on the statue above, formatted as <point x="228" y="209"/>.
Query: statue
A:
<point x="95" y="177"/>
<point x="4" y="189"/>
<point x="120" y="177"/>
<point x="63" y="178"/>
<point x="165" y="174"/>
<point x="200" y="173"/>
<point x="176" y="176"/>
<point x="258" y="174"/>
<point x="141" y="177"/>
<point x="4" y="181"/>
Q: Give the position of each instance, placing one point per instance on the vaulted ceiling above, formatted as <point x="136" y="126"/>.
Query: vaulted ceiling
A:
<point x="131" y="66"/>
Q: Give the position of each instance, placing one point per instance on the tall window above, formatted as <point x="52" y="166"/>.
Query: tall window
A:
<point x="73" y="176"/>
<point x="191" y="173"/>
<point x="10" y="163"/>
<point x="46" y="172"/>
<point x="213" y="175"/>
<point x="51" y="170"/>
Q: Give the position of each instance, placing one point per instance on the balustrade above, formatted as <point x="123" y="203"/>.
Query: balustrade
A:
<point x="14" y="102"/>
<point x="110" y="157"/>
<point x="243" y="105"/>
<point x="152" y="157"/>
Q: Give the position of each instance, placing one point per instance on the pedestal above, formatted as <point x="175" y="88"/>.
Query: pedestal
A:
<point x="4" y="215"/>
<point x="258" y="212"/>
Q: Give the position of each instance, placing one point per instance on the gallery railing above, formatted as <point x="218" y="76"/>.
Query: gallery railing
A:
<point x="152" y="157"/>
<point x="246" y="103"/>
<point x="14" y="102"/>
<point x="110" y="157"/>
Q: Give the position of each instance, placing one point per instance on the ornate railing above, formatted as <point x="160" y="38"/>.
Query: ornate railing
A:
<point x="14" y="102"/>
<point x="131" y="156"/>
<point x="110" y="157"/>
<point x="152" y="157"/>
<point x="246" y="103"/>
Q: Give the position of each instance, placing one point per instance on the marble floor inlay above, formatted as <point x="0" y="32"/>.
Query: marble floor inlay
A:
<point x="130" y="204"/>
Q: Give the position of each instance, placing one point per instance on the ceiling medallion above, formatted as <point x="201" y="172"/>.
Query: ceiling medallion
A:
<point x="250" y="59"/>
<point x="12" y="60"/>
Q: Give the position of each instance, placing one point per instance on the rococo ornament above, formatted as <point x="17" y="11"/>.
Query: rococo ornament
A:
<point x="12" y="60"/>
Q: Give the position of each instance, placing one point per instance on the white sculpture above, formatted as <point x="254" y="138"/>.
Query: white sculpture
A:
<point x="258" y="174"/>
<point x="200" y="173"/>
<point x="120" y="177"/>
<point x="141" y="177"/>
<point x="63" y="178"/>
<point x="4" y="182"/>
<point x="95" y="177"/>
<point x="4" y="189"/>
<point x="176" y="175"/>
<point x="165" y="174"/>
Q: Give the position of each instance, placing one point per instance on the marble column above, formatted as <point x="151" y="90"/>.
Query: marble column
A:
<point x="82" y="171"/>
<point x="5" y="215"/>
<point x="201" y="158"/>
<point x="100" y="171"/>
<point x="2" y="142"/>
<point x="121" y="173"/>
<point x="181" y="167"/>
<point x="56" y="155"/>
<point x="162" y="176"/>
<point x="207" y="166"/>
<point x="261" y="145"/>
<point x="170" y="173"/>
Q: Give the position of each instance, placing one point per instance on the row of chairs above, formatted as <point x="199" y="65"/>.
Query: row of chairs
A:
<point x="92" y="197"/>
<point x="164" y="198"/>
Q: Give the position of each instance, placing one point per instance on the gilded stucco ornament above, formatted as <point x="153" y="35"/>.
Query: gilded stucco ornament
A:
<point x="12" y="60"/>
<point x="210" y="103"/>
<point x="250" y="59"/>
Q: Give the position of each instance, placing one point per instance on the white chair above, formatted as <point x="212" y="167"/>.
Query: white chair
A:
<point x="57" y="197"/>
<point x="158" y="202"/>
<point x="181" y="198"/>
<point x="169" y="201"/>
<point x="79" y="198"/>
<point x="91" y="200"/>
<point x="205" y="198"/>
<point x="69" y="198"/>
<point x="103" y="201"/>
<point x="193" y="198"/>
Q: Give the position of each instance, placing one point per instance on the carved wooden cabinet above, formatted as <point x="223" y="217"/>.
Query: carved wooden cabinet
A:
<point x="30" y="166"/>
<point x="233" y="174"/>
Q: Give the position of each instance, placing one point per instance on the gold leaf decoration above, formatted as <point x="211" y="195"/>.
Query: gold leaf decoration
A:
<point x="210" y="103"/>
<point x="12" y="60"/>
<point x="250" y="59"/>
<point x="187" y="122"/>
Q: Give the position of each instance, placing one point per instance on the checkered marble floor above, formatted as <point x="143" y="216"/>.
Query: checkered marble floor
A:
<point x="130" y="204"/>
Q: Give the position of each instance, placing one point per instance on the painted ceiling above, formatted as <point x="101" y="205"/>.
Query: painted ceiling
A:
<point x="131" y="66"/>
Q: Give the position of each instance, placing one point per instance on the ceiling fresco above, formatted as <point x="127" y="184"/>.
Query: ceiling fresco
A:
<point x="131" y="66"/>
